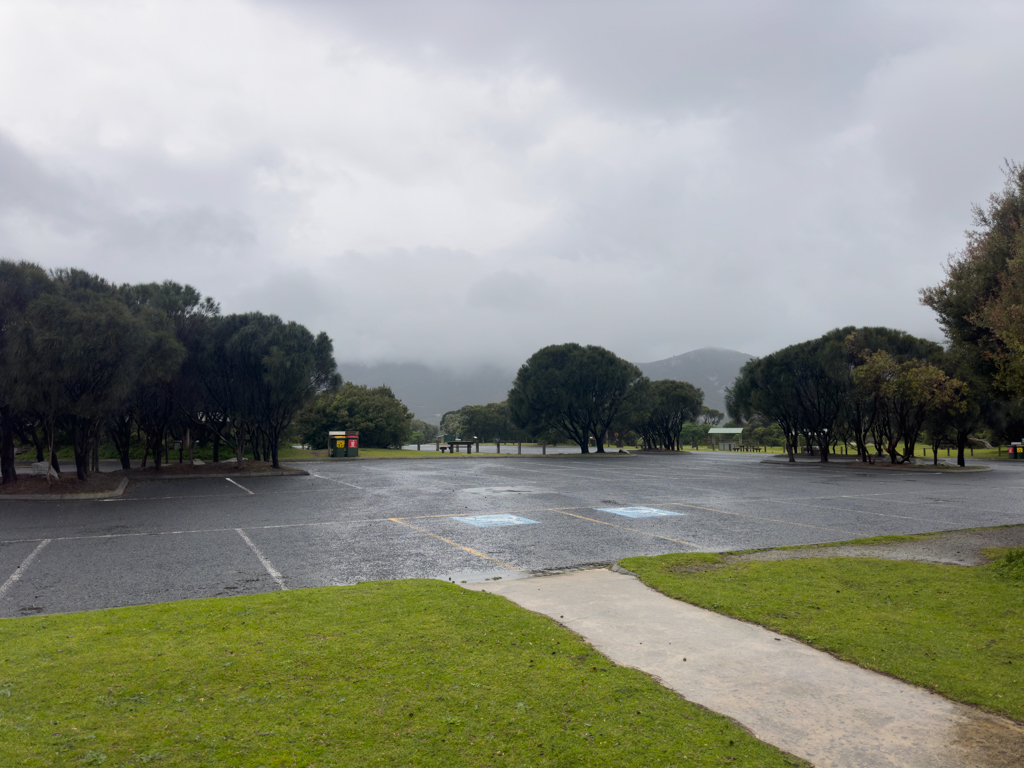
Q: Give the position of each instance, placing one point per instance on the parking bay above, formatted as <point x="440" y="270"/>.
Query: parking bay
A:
<point x="461" y="519"/>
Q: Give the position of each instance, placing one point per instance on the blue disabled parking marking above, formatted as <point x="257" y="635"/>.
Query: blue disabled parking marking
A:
<point x="639" y="511"/>
<point x="492" y="521"/>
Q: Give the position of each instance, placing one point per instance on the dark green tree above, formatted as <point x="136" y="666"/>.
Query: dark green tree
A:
<point x="79" y="352"/>
<point x="20" y="284"/>
<point x="579" y="391"/>
<point x="382" y="419"/>
<point x="426" y="431"/>
<point x="258" y="373"/>
<point x="670" y="405"/>
<point x="979" y="303"/>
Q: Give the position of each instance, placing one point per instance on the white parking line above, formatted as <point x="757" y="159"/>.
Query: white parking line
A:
<point x="16" y="576"/>
<point x="240" y="486"/>
<point x="274" y="573"/>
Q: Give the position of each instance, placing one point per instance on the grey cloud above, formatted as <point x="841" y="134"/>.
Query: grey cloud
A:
<point x="652" y="177"/>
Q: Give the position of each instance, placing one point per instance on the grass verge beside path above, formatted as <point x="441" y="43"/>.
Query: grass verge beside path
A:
<point x="383" y="673"/>
<point x="956" y="630"/>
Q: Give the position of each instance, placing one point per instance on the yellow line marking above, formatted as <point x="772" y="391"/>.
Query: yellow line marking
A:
<point x="455" y="544"/>
<point x="624" y="528"/>
<point x="758" y="517"/>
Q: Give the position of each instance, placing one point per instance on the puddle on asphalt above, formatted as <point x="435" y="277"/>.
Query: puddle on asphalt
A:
<point x="505" y="490"/>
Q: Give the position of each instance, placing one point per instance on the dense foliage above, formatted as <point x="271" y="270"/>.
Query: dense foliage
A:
<point x="979" y="303"/>
<point x="668" y="406"/>
<point x="380" y="417"/>
<point x="580" y="391"/>
<point x="868" y="386"/>
<point x="82" y="359"/>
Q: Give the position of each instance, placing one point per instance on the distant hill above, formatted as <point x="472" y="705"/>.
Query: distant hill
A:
<point x="711" y="368"/>
<point x="431" y="392"/>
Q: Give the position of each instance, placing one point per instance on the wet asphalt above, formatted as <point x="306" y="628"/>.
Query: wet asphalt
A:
<point x="349" y="522"/>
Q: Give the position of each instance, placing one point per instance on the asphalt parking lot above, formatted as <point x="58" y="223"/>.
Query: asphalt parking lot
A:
<point x="462" y="519"/>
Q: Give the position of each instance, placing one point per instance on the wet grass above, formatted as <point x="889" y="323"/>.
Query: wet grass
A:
<point x="958" y="631"/>
<point x="385" y="673"/>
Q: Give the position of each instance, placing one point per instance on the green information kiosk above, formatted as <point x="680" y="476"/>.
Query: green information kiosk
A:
<point x="343" y="445"/>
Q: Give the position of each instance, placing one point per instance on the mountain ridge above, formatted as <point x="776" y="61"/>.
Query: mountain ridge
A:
<point x="430" y="392"/>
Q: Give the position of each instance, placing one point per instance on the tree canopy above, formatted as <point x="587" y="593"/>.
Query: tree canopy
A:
<point x="380" y="417"/>
<point x="874" y="385"/>
<point x="669" y="405"/>
<point x="579" y="391"/>
<point x="80" y="357"/>
<point x="980" y="302"/>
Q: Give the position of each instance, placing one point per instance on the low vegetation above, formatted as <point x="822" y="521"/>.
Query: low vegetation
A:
<point x="955" y="630"/>
<point x="384" y="673"/>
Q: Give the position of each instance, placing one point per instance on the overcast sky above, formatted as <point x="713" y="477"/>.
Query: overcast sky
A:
<point x="466" y="182"/>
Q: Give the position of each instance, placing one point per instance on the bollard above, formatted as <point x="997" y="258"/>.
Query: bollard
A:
<point x="520" y="447"/>
<point x="478" y="446"/>
<point x="544" y="449"/>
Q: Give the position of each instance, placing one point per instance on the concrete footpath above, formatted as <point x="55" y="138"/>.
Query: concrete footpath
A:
<point x="804" y="701"/>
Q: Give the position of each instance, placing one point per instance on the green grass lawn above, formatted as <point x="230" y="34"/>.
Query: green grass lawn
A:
<point x="384" y="673"/>
<point x="955" y="630"/>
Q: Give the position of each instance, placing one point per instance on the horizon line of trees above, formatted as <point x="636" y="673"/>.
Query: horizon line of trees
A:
<point x="84" y="360"/>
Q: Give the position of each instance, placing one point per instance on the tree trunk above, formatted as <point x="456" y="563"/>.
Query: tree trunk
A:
<point x="80" y="445"/>
<point x="239" y="445"/>
<point x="7" y="471"/>
<point x="40" y="444"/>
<point x="216" y="447"/>
<point x="158" y="450"/>
<point x="275" y="444"/>
<point x="54" y="464"/>
<point x="961" y="444"/>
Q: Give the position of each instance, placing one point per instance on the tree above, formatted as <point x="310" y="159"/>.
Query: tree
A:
<point x="670" y="405"/>
<point x="579" y="391"/>
<point x="20" y="284"/>
<point x="801" y="388"/>
<point x="906" y="395"/>
<point x="79" y="352"/>
<point x="861" y="414"/>
<point x="168" y="395"/>
<point x="382" y="419"/>
<point x="165" y="391"/>
<point x="710" y="416"/>
<point x="980" y="302"/>
<point x="295" y="368"/>
<point x="426" y="431"/>
<point x="259" y="372"/>
<point x="693" y="433"/>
